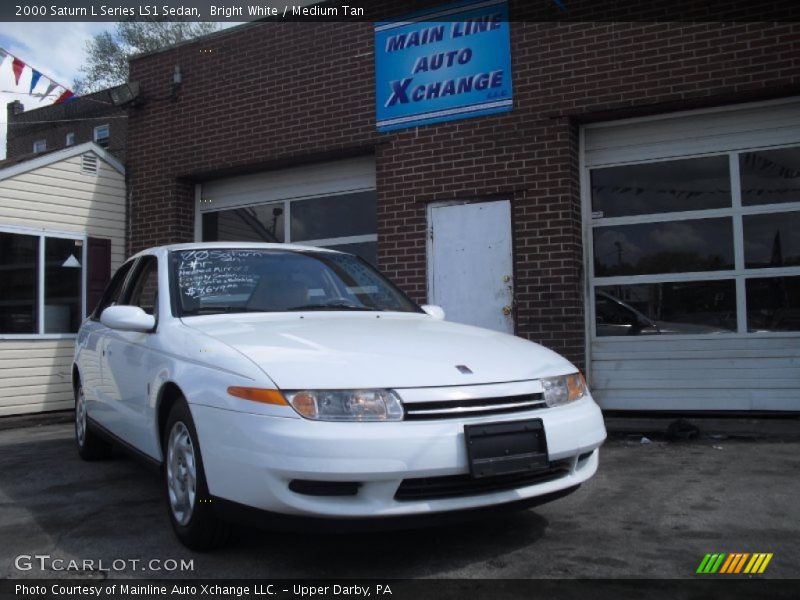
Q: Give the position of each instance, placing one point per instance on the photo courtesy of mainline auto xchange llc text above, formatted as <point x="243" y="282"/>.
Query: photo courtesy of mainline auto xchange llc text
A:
<point x="399" y="299"/>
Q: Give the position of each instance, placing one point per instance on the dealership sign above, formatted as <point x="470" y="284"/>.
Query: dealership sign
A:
<point x="449" y="64"/>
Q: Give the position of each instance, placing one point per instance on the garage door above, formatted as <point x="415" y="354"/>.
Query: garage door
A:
<point x="331" y="204"/>
<point x="692" y="232"/>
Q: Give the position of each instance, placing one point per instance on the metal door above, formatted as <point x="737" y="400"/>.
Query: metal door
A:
<point x="470" y="263"/>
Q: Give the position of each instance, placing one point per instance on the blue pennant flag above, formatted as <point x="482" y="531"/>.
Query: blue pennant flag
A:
<point x="34" y="79"/>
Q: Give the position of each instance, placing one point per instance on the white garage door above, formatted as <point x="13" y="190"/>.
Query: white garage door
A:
<point x="692" y="232"/>
<point x="330" y="204"/>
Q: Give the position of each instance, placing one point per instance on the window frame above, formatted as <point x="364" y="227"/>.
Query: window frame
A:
<point x="42" y="234"/>
<point x="740" y="273"/>
<point x="99" y="141"/>
<point x="201" y="208"/>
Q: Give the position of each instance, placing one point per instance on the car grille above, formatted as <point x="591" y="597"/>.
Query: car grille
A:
<point x="452" y="409"/>
<point x="452" y="486"/>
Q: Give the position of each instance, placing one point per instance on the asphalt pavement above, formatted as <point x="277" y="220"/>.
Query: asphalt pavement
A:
<point x="654" y="509"/>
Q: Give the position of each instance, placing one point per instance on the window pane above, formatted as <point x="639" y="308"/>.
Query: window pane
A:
<point x="772" y="240"/>
<point x="262" y="223"/>
<point x="145" y="287"/>
<point x="692" y="307"/>
<point x="770" y="176"/>
<point x="773" y="304"/>
<point x="334" y="216"/>
<point x="62" y="285"/>
<point x="661" y="187"/>
<point x="366" y="250"/>
<point x="671" y="247"/>
<point x="19" y="257"/>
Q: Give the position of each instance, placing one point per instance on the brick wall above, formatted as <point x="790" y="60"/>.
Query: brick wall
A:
<point x="52" y="123"/>
<point x="267" y="95"/>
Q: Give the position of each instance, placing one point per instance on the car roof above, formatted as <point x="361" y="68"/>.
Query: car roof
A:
<point x="239" y="245"/>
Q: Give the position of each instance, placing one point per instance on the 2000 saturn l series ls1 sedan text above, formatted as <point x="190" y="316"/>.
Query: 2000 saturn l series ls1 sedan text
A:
<point x="299" y="381"/>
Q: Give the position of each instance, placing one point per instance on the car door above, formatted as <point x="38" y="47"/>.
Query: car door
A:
<point x="91" y="345"/>
<point x="129" y="361"/>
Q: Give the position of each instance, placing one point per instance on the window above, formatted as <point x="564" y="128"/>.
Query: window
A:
<point x="144" y="287"/>
<point x="102" y="134"/>
<point x="39" y="146"/>
<point x="19" y="262"/>
<point x="54" y="306"/>
<point x="346" y="222"/>
<point x="680" y="247"/>
<point x="70" y="141"/>
<point x="112" y="293"/>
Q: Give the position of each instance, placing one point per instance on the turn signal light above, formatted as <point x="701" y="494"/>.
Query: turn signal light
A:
<point x="258" y="395"/>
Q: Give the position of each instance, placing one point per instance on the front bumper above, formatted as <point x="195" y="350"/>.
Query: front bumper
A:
<point x="250" y="459"/>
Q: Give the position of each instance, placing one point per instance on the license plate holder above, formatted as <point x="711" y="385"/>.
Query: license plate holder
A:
<point x="506" y="448"/>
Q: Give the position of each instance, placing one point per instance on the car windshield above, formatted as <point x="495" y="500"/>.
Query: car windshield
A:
<point x="233" y="280"/>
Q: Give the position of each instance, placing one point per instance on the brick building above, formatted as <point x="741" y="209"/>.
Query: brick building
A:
<point x="90" y="118"/>
<point x="646" y="182"/>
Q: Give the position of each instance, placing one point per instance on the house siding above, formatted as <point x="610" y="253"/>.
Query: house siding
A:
<point x="35" y="374"/>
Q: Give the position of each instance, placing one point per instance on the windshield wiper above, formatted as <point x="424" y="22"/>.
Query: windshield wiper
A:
<point x="332" y="306"/>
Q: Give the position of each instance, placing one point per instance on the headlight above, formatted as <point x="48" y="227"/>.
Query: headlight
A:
<point x="347" y="405"/>
<point x="564" y="389"/>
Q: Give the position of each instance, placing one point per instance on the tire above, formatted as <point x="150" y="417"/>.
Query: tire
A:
<point x="90" y="445"/>
<point x="188" y="501"/>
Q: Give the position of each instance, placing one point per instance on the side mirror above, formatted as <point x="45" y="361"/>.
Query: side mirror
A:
<point x="128" y="318"/>
<point x="437" y="312"/>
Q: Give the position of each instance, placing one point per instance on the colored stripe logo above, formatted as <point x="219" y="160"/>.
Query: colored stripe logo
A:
<point x="736" y="562"/>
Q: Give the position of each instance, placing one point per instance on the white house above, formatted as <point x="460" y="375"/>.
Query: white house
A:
<point x="62" y="233"/>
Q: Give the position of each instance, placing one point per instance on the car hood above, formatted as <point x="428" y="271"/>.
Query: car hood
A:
<point x="377" y="350"/>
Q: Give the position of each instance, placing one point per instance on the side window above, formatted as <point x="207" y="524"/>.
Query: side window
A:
<point x="112" y="294"/>
<point x="144" y="289"/>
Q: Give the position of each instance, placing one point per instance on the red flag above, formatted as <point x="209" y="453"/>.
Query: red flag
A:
<point x="64" y="97"/>
<point x="18" y="66"/>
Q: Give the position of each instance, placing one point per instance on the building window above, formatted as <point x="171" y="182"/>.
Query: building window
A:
<point x="70" y="139"/>
<point x="346" y="222"/>
<point x="43" y="289"/>
<point x="102" y="134"/>
<point x="706" y="245"/>
<point x="39" y="146"/>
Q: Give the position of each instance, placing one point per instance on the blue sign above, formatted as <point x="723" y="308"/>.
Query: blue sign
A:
<point x="450" y="64"/>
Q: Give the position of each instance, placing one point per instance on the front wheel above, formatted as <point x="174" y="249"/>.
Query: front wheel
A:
<point x="188" y="499"/>
<point x="90" y="445"/>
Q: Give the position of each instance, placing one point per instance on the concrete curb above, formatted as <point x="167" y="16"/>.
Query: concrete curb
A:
<point x="37" y="420"/>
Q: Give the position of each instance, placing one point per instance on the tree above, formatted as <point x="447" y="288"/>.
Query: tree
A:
<point x="107" y="53"/>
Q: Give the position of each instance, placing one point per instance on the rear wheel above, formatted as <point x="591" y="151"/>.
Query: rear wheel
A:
<point x="188" y="500"/>
<point x="90" y="445"/>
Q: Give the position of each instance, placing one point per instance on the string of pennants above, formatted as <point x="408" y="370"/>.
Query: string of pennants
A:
<point x="18" y="66"/>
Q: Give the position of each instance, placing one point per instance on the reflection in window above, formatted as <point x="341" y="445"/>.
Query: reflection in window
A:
<point x="692" y="307"/>
<point x="62" y="285"/>
<point x="366" y="250"/>
<point x="773" y="304"/>
<point x="770" y="176"/>
<point x="261" y="223"/>
<point x="772" y="240"/>
<point x="19" y="258"/>
<point x="669" y="247"/>
<point x="334" y="216"/>
<point x="661" y="187"/>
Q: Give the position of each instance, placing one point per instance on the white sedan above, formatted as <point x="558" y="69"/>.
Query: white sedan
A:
<point x="269" y="379"/>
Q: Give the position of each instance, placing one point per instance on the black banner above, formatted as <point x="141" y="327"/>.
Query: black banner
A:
<point x="438" y="589"/>
<point x="235" y="11"/>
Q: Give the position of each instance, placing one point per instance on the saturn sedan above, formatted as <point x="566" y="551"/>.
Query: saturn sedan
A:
<point x="269" y="380"/>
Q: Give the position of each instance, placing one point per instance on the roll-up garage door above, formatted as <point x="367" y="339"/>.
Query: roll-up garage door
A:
<point x="692" y="232"/>
<point x="331" y="204"/>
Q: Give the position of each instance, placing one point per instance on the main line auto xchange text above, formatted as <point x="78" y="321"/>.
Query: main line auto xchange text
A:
<point x="402" y="91"/>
